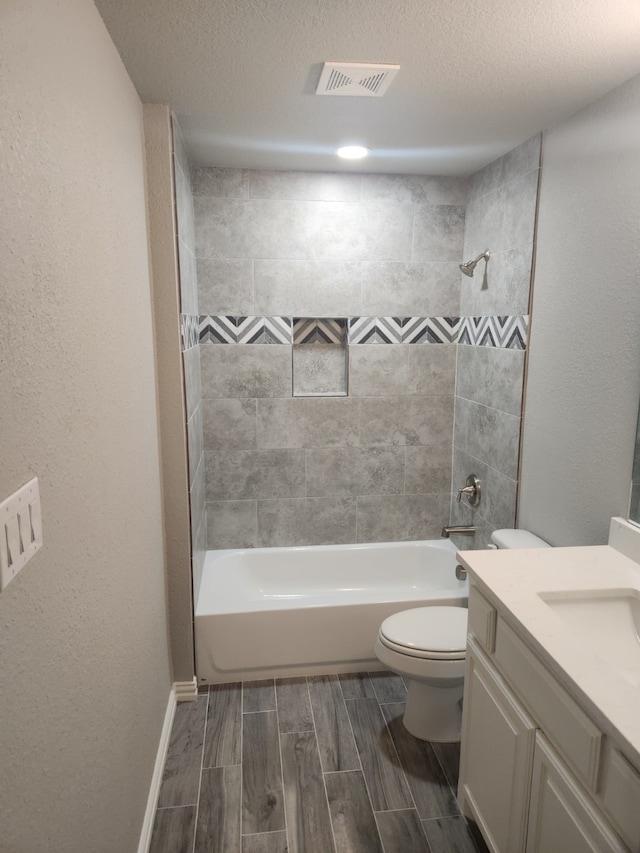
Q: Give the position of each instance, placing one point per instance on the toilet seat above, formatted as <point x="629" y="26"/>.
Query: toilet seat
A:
<point x="430" y="633"/>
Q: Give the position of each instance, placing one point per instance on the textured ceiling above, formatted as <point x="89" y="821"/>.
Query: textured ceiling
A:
<point x="477" y="76"/>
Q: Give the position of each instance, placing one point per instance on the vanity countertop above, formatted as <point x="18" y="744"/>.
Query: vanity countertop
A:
<point x="515" y="580"/>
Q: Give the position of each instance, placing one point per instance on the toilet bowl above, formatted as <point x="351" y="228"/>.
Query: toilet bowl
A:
<point x="427" y="645"/>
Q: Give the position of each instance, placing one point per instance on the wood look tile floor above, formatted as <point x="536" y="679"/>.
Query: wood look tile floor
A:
<point x="307" y="765"/>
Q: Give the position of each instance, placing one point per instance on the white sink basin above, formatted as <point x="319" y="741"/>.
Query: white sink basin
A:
<point x="606" y="621"/>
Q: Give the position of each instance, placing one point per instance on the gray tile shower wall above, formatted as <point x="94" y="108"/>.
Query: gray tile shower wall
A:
<point x="500" y="216"/>
<point x="190" y="353"/>
<point x="370" y="466"/>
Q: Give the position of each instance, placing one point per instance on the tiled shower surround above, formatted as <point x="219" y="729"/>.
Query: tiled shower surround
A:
<point x="372" y="466"/>
<point x="500" y="215"/>
<point x="382" y="252"/>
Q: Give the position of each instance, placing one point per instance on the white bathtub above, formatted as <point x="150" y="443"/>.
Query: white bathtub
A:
<point x="274" y="612"/>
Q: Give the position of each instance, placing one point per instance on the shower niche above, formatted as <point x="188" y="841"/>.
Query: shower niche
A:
<point x="320" y="357"/>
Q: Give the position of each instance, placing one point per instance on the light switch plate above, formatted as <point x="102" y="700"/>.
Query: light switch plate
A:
<point x="20" y="530"/>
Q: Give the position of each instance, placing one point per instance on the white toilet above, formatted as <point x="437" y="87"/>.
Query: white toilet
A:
<point x="428" y="646"/>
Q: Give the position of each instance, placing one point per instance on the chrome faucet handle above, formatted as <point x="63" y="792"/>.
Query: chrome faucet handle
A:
<point x="467" y="490"/>
<point x="472" y="491"/>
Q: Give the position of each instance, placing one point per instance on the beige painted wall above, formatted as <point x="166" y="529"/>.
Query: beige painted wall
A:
<point x="584" y="362"/>
<point x="84" y="679"/>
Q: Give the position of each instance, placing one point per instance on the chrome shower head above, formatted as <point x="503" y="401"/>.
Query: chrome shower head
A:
<point x="470" y="266"/>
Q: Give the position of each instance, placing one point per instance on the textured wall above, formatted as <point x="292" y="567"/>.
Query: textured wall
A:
<point x="85" y="676"/>
<point x="584" y="376"/>
<point x="500" y="217"/>
<point x="375" y="465"/>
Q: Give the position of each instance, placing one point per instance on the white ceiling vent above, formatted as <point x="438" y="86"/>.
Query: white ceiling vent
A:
<point x="353" y="78"/>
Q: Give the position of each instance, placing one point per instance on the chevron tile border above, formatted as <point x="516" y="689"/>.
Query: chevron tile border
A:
<point x="319" y="331"/>
<point x="189" y="331"/>
<point x="504" y="332"/>
<point x="403" y="330"/>
<point x="245" y="330"/>
<point x="375" y="330"/>
<point x="435" y="330"/>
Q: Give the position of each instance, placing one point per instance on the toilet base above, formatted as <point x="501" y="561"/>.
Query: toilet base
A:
<point x="434" y="713"/>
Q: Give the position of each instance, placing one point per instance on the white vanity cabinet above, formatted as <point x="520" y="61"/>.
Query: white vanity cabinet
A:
<point x="534" y="767"/>
<point x="498" y="739"/>
<point x="561" y="817"/>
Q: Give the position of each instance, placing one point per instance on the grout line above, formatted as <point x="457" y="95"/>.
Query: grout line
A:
<point x="241" y="723"/>
<point x="322" y="773"/>
<point x="204" y="740"/>
<point x="297" y="732"/>
<point x="443" y="817"/>
<point x="333" y="772"/>
<point x="364" y="775"/>
<point x="344" y="698"/>
<point x="405" y="809"/>
<point x="182" y="806"/>
<point x="264" y="711"/>
<point x="353" y="735"/>
<point x="444" y="773"/>
<point x="269" y="832"/>
<point x="400" y="764"/>
<point x="284" y="796"/>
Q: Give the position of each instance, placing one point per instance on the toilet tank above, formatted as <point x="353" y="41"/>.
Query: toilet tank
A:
<point x="509" y="538"/>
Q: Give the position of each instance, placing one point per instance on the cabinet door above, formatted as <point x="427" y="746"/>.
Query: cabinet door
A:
<point x="561" y="817"/>
<point x="498" y="739"/>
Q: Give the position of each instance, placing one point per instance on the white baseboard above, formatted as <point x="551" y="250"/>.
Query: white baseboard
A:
<point x="158" y="770"/>
<point x="186" y="691"/>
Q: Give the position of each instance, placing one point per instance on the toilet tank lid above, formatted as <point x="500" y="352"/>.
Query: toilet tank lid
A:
<point x="509" y="538"/>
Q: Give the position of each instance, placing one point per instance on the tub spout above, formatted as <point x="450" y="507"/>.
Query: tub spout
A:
<point x="457" y="529"/>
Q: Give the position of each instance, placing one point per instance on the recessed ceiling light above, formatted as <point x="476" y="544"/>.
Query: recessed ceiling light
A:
<point x="352" y="152"/>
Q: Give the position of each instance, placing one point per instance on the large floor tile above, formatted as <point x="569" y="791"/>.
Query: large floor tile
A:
<point x="385" y="779"/>
<point x="354" y="824"/>
<point x="173" y="830"/>
<point x="430" y="788"/>
<point x="181" y="778"/>
<point x="321" y="764"/>
<point x="452" y="835"/>
<point x="356" y="685"/>
<point x="335" y="738"/>
<point x="294" y="705"/>
<point x="222" y="744"/>
<point x="388" y="687"/>
<point x="449" y="758"/>
<point x="401" y="832"/>
<point x="305" y="798"/>
<point x="258" y="696"/>
<point x="218" y="828"/>
<point x="262" y="794"/>
<point x="266" y="842"/>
